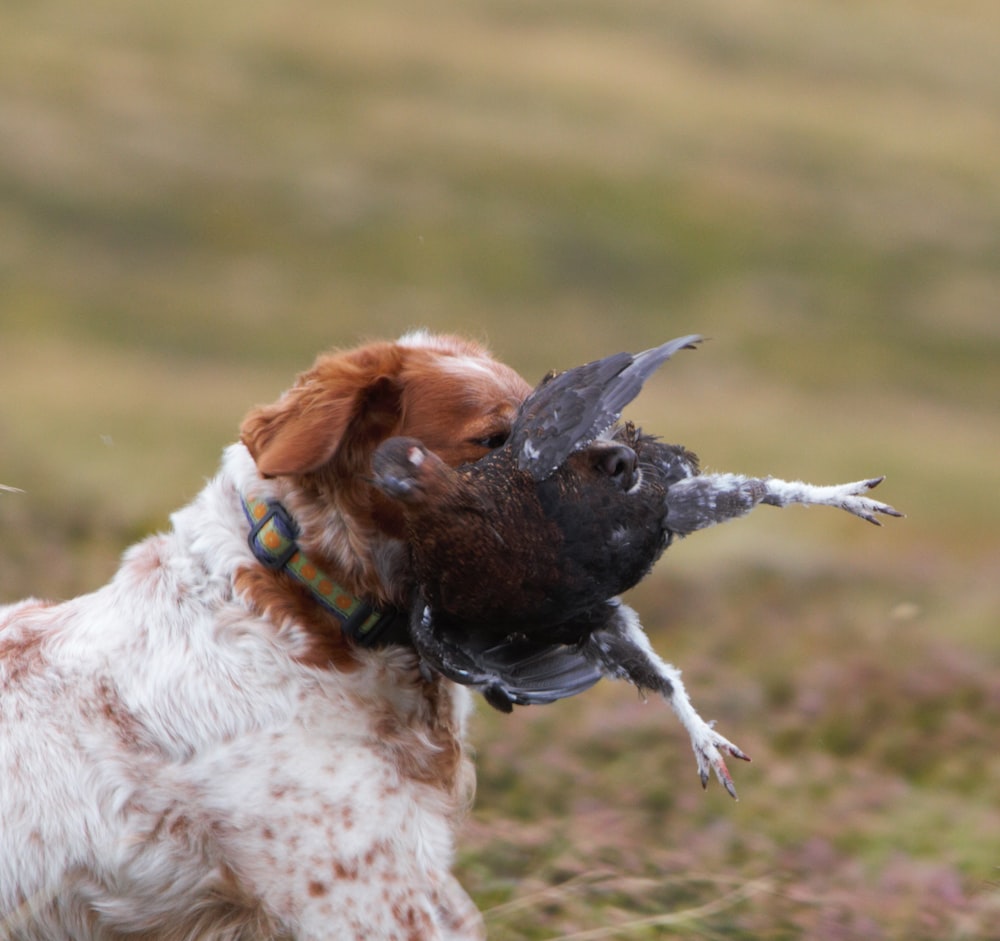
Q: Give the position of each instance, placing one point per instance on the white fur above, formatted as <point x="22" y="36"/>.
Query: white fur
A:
<point x="169" y="769"/>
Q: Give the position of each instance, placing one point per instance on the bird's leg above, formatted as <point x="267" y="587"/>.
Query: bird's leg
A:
<point x="698" y="502"/>
<point x="702" y="501"/>
<point x="622" y="650"/>
<point x="851" y="497"/>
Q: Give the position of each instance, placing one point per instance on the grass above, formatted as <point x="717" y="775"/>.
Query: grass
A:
<point x="195" y="200"/>
<point x="867" y="806"/>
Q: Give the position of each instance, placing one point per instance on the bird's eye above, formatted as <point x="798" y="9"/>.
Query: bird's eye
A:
<point x="496" y="440"/>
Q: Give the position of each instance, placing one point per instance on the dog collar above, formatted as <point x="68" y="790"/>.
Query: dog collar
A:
<point x="273" y="540"/>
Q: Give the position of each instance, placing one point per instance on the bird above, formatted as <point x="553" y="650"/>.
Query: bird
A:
<point x="517" y="512"/>
<point x="519" y="558"/>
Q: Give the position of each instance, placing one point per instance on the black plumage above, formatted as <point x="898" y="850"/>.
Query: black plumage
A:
<point x="494" y="547"/>
<point x="559" y="517"/>
<point x="518" y="557"/>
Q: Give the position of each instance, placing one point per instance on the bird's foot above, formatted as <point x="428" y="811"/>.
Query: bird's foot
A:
<point x="708" y="747"/>
<point x="851" y="497"/>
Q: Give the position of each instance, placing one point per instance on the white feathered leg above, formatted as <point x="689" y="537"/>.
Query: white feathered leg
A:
<point x="622" y="650"/>
<point x="851" y="497"/>
<point x="698" y="502"/>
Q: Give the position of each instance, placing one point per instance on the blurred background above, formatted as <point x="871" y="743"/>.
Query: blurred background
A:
<point x="195" y="199"/>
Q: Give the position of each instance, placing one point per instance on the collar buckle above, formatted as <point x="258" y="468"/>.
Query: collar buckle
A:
<point x="273" y="537"/>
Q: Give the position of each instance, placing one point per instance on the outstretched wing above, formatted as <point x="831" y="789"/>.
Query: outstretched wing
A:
<point x="569" y="410"/>
<point x="513" y="672"/>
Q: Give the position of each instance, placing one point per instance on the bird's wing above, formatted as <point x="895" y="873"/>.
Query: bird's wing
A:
<point x="569" y="410"/>
<point x="512" y="672"/>
<point x="540" y="674"/>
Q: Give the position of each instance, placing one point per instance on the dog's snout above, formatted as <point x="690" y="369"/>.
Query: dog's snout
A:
<point x="619" y="463"/>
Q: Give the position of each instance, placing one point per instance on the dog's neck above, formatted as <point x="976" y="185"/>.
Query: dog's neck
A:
<point x="216" y="530"/>
<point x="273" y="539"/>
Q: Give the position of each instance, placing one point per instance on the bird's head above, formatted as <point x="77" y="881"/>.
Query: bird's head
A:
<point x="605" y="463"/>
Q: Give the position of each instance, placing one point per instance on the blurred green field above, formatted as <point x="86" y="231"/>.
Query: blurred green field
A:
<point x="195" y="200"/>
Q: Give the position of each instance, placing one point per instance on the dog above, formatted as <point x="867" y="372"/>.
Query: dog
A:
<point x="230" y="741"/>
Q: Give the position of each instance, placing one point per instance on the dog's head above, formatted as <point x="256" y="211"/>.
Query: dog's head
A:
<point x="448" y="392"/>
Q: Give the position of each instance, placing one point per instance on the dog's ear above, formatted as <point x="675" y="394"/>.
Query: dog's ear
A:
<point x="338" y="411"/>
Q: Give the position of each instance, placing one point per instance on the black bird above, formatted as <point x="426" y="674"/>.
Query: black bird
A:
<point x="555" y="515"/>
<point x="519" y="557"/>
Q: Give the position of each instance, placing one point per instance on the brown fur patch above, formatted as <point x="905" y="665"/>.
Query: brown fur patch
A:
<point x="286" y="603"/>
<point x="344" y="393"/>
<point x="147" y="558"/>
<point x="317" y="888"/>
<point x="131" y="734"/>
<point x="430" y="752"/>
<point x="21" y="653"/>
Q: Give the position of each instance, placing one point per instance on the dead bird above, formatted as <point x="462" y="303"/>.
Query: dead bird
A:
<point x="519" y="557"/>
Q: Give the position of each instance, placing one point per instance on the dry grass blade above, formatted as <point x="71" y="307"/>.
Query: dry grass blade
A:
<point x="740" y="894"/>
<point x="610" y="881"/>
<point x="548" y="894"/>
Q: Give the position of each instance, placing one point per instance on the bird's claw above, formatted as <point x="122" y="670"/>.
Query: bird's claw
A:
<point x="851" y="497"/>
<point x="708" y="748"/>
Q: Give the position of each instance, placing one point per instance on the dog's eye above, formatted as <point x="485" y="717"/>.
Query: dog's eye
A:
<point x="496" y="440"/>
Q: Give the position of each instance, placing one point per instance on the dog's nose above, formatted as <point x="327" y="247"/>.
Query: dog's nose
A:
<point x="619" y="463"/>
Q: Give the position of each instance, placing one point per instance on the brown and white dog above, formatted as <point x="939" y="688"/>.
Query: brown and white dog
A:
<point x="212" y="746"/>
